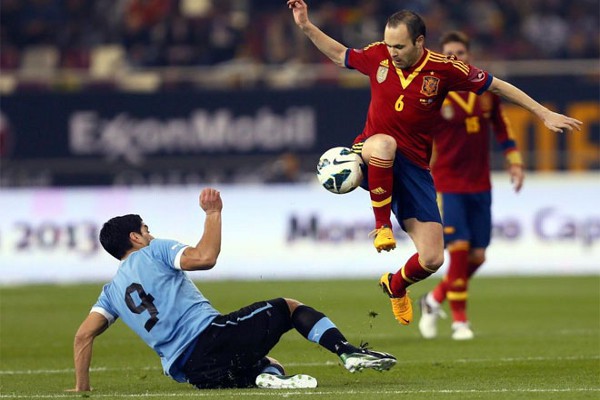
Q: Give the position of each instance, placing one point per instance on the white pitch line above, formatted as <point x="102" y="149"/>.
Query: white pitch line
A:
<point x="307" y="392"/>
<point x="315" y="364"/>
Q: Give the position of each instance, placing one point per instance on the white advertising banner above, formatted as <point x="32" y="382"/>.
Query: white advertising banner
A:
<point x="290" y="231"/>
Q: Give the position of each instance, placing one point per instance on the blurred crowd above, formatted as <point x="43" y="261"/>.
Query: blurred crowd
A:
<point x="157" y="33"/>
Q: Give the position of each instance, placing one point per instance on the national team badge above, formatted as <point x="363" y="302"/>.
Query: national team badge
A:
<point x="382" y="72"/>
<point x="430" y="85"/>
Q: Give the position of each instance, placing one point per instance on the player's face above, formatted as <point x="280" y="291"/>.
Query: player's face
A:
<point x="146" y="236"/>
<point x="404" y="53"/>
<point x="457" y="49"/>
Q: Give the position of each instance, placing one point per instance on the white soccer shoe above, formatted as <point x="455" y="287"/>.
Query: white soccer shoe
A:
<point x="429" y="318"/>
<point x="271" y="381"/>
<point x="462" y="331"/>
<point x="369" y="359"/>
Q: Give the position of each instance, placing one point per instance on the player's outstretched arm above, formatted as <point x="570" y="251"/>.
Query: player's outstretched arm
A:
<point x="92" y="326"/>
<point x="327" y="45"/>
<point x="204" y="255"/>
<point x="554" y="121"/>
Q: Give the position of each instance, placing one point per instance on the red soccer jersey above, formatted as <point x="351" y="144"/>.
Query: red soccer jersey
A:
<point x="462" y="141"/>
<point x="405" y="104"/>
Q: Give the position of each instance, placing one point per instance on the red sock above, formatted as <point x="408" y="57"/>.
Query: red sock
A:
<point x="439" y="292"/>
<point x="412" y="272"/>
<point x="457" y="278"/>
<point x="381" y="182"/>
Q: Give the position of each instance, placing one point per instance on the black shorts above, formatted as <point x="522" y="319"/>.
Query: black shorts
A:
<point x="232" y="351"/>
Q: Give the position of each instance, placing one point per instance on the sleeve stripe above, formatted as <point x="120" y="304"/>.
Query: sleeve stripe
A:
<point x="461" y="66"/>
<point x="486" y="85"/>
<point x="455" y="63"/>
<point x="508" y="145"/>
<point x="104" y="313"/>
<point x="347" y="59"/>
<point x="177" y="261"/>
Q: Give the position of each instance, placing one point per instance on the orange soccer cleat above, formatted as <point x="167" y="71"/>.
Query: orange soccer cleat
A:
<point x="384" y="239"/>
<point x="401" y="306"/>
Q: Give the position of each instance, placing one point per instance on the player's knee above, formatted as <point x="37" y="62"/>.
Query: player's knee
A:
<point x="384" y="146"/>
<point x="432" y="261"/>
<point x="477" y="258"/>
<point x="292" y="304"/>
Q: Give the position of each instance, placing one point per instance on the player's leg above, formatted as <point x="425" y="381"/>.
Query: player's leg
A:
<point x="453" y="287"/>
<point x="268" y="373"/>
<point x="234" y="346"/>
<point x="479" y="221"/>
<point x="318" y="328"/>
<point x="378" y="152"/>
<point x="274" y="367"/>
<point x="414" y="205"/>
<point x="438" y="294"/>
<point x="461" y="328"/>
<point x="428" y="240"/>
<point x="456" y="234"/>
<point x="273" y="377"/>
<point x="457" y="287"/>
<point x="476" y="259"/>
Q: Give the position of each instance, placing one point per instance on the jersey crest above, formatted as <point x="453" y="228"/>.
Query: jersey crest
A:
<point x="430" y="85"/>
<point x="382" y="71"/>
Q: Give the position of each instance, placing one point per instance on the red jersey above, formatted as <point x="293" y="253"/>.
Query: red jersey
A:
<point x="462" y="142"/>
<point x="405" y="104"/>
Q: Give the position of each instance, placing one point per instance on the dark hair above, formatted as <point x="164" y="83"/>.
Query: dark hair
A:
<point x="455" y="36"/>
<point x="413" y="21"/>
<point x="114" y="235"/>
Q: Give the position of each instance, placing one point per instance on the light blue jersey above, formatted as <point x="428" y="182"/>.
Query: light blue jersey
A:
<point x="156" y="299"/>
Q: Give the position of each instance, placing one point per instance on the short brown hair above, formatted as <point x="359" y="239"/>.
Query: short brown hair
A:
<point x="455" y="36"/>
<point x="413" y="21"/>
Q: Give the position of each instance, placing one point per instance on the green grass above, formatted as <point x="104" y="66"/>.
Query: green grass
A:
<point x="536" y="338"/>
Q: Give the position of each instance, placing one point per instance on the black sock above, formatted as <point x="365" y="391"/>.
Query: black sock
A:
<point x="334" y="341"/>
<point x="327" y="334"/>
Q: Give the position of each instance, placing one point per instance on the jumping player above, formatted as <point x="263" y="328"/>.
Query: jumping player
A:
<point x="464" y="190"/>
<point x="408" y="86"/>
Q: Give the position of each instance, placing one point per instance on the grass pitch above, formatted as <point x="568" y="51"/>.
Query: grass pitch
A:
<point x="536" y="338"/>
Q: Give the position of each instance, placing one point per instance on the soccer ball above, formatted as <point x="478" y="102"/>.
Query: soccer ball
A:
<point x="339" y="170"/>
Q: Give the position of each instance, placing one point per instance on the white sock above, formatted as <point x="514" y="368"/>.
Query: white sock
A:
<point x="431" y="301"/>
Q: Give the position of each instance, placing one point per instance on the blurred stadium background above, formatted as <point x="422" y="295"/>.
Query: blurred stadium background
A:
<point x="110" y="107"/>
<point x="117" y="106"/>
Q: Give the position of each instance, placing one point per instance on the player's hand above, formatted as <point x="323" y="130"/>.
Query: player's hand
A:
<point x="560" y="123"/>
<point x="210" y="200"/>
<point x="517" y="176"/>
<point x="300" y="10"/>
